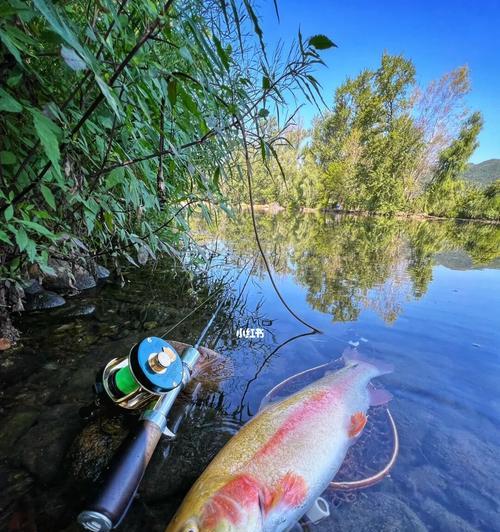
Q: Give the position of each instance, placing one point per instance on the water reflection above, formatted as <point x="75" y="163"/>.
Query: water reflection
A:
<point x="421" y="295"/>
<point x="350" y="263"/>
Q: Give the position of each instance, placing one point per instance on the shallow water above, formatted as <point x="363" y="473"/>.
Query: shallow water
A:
<point x="424" y="296"/>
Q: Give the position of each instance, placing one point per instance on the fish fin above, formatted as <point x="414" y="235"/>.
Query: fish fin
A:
<point x="352" y="356"/>
<point x="290" y="490"/>
<point x="211" y="368"/>
<point x="379" y="396"/>
<point x="358" y="422"/>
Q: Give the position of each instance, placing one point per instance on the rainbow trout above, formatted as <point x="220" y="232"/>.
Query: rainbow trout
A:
<point x="271" y="472"/>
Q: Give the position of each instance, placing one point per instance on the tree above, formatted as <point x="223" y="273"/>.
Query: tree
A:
<point x="446" y="192"/>
<point x="366" y="145"/>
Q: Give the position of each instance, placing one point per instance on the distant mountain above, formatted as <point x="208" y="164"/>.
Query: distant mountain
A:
<point x="484" y="173"/>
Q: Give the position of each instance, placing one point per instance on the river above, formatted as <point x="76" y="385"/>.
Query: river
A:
<point x="421" y="295"/>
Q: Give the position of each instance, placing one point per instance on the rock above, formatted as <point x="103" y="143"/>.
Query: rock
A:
<point x="16" y="364"/>
<point x="444" y="519"/>
<point x="14" y="426"/>
<point x="5" y="344"/>
<point x="32" y="287"/>
<point x="83" y="279"/>
<point x="462" y="454"/>
<point x="14" y="483"/>
<point x="44" y="446"/>
<point x="84" y="310"/>
<point x="62" y="279"/>
<point x="44" y="300"/>
<point x="427" y="478"/>
<point x="74" y="309"/>
<point x="374" y="511"/>
<point x="102" y="272"/>
<point x="94" y="447"/>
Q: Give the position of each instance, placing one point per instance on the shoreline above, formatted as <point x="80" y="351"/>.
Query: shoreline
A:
<point x="274" y="208"/>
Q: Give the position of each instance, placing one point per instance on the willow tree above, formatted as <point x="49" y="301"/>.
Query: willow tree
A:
<point x="119" y="117"/>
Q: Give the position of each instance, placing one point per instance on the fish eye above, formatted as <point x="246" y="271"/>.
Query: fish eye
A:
<point x="190" y="526"/>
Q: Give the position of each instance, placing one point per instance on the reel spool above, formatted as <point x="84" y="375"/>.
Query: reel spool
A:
<point x="152" y="368"/>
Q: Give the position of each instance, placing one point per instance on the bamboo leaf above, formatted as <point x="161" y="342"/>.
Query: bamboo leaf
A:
<point x="172" y="91"/>
<point x="5" y="238"/>
<point x="8" y="103"/>
<point x="9" y="212"/>
<point x="48" y="196"/>
<point x="72" y="59"/>
<point x="47" y="132"/>
<point x="21" y="239"/>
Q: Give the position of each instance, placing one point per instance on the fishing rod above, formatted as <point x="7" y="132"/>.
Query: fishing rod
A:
<point x="153" y="370"/>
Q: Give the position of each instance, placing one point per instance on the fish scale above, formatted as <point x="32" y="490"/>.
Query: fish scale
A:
<point x="274" y="468"/>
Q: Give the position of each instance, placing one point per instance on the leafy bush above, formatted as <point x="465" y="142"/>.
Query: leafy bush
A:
<point x="119" y="117"/>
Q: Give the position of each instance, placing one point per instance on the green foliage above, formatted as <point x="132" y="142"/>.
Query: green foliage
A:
<point x="376" y="150"/>
<point x="118" y="118"/>
<point x="368" y="143"/>
<point x="483" y="174"/>
<point x="448" y="195"/>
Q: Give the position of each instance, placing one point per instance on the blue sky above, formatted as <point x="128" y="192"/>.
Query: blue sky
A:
<point x="437" y="35"/>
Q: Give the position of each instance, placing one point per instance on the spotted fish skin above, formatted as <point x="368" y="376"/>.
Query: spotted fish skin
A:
<point x="270" y="473"/>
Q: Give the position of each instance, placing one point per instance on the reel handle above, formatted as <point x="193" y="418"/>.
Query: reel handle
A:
<point x="125" y="474"/>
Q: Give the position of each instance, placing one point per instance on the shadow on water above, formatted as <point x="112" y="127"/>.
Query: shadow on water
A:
<point x="422" y="295"/>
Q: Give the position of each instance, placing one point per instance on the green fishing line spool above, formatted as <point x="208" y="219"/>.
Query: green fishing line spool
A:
<point x="152" y="368"/>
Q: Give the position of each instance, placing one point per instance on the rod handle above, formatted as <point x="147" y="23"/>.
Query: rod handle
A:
<point x="125" y="474"/>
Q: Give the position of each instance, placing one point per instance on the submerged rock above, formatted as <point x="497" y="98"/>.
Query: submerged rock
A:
<point x="94" y="447"/>
<point x="14" y="426"/>
<point x="44" y="300"/>
<point x="461" y="454"/>
<point x="44" y="446"/>
<point x="102" y="272"/>
<point x="373" y="511"/>
<point x="443" y="519"/>
<point x="14" y="484"/>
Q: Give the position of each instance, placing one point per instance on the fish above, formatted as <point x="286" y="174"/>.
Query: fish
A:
<point x="276" y="466"/>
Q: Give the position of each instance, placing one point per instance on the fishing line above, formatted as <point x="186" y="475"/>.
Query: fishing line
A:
<point x="263" y="365"/>
<point x="211" y="296"/>
<point x="236" y="302"/>
<point x="256" y="233"/>
<point x="203" y="303"/>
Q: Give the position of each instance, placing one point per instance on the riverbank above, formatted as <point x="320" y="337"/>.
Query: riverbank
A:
<point x="273" y="208"/>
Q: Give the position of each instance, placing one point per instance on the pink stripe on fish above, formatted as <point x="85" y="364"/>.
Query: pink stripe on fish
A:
<point x="314" y="405"/>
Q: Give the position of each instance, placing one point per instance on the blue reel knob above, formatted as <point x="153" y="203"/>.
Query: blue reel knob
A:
<point x="156" y="365"/>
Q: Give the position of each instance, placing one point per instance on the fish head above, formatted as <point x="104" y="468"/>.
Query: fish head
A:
<point x="356" y="363"/>
<point x="233" y="506"/>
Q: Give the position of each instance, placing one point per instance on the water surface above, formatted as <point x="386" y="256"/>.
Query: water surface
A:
<point x="424" y="296"/>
